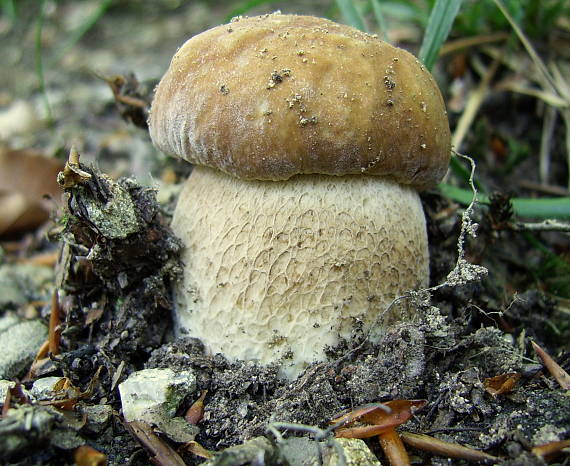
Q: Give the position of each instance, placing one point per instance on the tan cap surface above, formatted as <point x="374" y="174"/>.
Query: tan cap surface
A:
<point x="274" y="96"/>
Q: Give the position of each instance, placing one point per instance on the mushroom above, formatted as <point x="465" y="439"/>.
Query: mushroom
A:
<point x="301" y="218"/>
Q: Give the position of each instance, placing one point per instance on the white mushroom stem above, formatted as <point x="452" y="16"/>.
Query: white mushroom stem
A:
<point x="281" y="270"/>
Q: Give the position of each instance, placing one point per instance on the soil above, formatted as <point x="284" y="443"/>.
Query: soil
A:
<point x="118" y="259"/>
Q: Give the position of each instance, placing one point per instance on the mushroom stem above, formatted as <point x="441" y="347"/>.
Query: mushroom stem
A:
<point x="280" y="270"/>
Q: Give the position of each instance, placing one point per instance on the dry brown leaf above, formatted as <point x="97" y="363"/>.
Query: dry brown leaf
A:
<point x="197" y="449"/>
<point x="367" y="430"/>
<point x="88" y="456"/>
<point x="93" y="315"/>
<point x="376" y="419"/>
<point x="25" y="178"/>
<point x="54" y="330"/>
<point x="67" y="395"/>
<point x="356" y="413"/>
<point x="162" y="454"/>
<point x="501" y="384"/>
<point x="196" y="411"/>
<point x="38" y="362"/>
<point x="551" y="450"/>
<point x="557" y="372"/>
<point x="400" y="412"/>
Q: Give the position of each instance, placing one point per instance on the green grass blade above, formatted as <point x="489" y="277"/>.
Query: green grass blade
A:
<point x="38" y="58"/>
<point x="351" y="15"/>
<point x="439" y="24"/>
<point x="76" y="35"/>
<point x="9" y="10"/>
<point x="551" y="208"/>
<point x="380" y="19"/>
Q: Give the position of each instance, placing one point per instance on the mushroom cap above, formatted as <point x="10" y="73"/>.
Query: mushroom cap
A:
<point x="273" y="96"/>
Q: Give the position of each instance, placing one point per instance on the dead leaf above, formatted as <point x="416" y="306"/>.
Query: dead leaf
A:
<point x="39" y="361"/>
<point x="501" y="384"/>
<point x="356" y="413"/>
<point x="88" y="456"/>
<point x="67" y="395"/>
<point x="162" y="454"/>
<point x="551" y="450"/>
<point x="47" y="259"/>
<point x="375" y="419"/>
<point x="401" y="411"/>
<point x="54" y="330"/>
<point x="117" y="375"/>
<point x="197" y="449"/>
<point x="93" y="315"/>
<point x="26" y="177"/>
<point x="196" y="411"/>
<point x="555" y="370"/>
<point x="446" y="449"/>
<point x="366" y="431"/>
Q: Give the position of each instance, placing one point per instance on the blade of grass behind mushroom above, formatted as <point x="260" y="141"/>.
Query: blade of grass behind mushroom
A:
<point x="9" y="11"/>
<point x="553" y="208"/>
<point x="439" y="24"/>
<point x="38" y="55"/>
<point x="379" y="16"/>
<point x="79" y="32"/>
<point x="351" y="15"/>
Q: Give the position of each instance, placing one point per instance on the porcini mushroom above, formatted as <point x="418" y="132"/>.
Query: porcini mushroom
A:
<point x="301" y="219"/>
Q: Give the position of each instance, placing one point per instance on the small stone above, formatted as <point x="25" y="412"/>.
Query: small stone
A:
<point x="42" y="389"/>
<point x="178" y="429"/>
<point x="20" y="342"/>
<point x="20" y="118"/>
<point x="22" y="283"/>
<point x="152" y="395"/>
<point x="258" y="450"/>
<point x="66" y="439"/>
<point x="5" y="385"/>
<point x="301" y="450"/>
<point x="356" y="452"/>
<point x="98" y="417"/>
<point x="25" y="427"/>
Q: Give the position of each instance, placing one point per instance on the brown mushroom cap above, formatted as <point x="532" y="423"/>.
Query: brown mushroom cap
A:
<point x="274" y="96"/>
